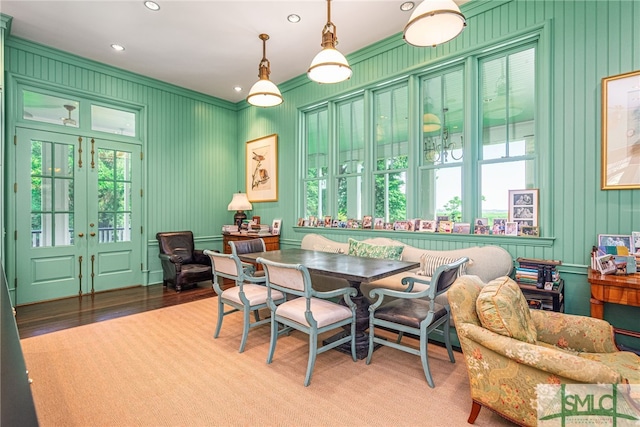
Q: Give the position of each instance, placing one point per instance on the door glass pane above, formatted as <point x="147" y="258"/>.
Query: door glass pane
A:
<point x="114" y="195"/>
<point x="114" y="121"/>
<point x="52" y="194"/>
<point x="50" y="109"/>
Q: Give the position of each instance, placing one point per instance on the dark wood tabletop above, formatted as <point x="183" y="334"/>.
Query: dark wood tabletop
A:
<point x="354" y="269"/>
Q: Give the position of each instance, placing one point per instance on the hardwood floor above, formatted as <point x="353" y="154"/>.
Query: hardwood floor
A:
<point x="50" y="316"/>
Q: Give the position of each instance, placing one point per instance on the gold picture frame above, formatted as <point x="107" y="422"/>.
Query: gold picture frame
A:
<point x="261" y="175"/>
<point x="621" y="131"/>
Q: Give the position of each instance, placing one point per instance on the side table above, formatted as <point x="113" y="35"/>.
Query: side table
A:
<point x="613" y="288"/>
<point x="271" y="242"/>
<point x="552" y="299"/>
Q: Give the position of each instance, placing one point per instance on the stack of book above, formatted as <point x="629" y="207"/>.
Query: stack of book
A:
<point x="540" y="273"/>
<point x="259" y="230"/>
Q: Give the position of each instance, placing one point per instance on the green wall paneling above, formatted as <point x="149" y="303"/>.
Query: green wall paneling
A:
<point x="188" y="139"/>
<point x="582" y="42"/>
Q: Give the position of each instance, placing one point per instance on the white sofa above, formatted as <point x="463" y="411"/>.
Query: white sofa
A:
<point x="487" y="262"/>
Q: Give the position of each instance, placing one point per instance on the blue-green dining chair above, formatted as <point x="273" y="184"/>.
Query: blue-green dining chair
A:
<point x="248" y="294"/>
<point x="306" y="310"/>
<point x="415" y="312"/>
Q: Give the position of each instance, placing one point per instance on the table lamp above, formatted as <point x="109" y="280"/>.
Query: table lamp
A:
<point x="239" y="203"/>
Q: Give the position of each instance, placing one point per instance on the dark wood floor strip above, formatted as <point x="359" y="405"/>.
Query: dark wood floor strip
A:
<point x="51" y="316"/>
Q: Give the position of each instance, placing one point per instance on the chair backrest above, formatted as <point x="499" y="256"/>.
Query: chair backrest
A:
<point x="247" y="246"/>
<point x="446" y="274"/>
<point x="227" y="265"/>
<point x="176" y="243"/>
<point x="288" y="278"/>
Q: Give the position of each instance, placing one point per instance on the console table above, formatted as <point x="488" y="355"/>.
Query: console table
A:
<point x="613" y="288"/>
<point x="272" y="241"/>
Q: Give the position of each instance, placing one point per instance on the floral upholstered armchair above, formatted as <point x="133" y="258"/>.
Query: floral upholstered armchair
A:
<point x="510" y="349"/>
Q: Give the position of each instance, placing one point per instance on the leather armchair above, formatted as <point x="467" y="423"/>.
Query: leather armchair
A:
<point x="182" y="264"/>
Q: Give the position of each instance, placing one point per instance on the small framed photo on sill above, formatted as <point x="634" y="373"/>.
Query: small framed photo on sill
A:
<point x="276" y="225"/>
<point x="523" y="206"/>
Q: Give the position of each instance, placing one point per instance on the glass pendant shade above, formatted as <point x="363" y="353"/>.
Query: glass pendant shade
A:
<point x="329" y="65"/>
<point x="264" y="93"/>
<point x="431" y="123"/>
<point x="434" y="22"/>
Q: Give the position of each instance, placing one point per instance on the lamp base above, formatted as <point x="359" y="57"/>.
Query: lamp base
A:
<point x="238" y="218"/>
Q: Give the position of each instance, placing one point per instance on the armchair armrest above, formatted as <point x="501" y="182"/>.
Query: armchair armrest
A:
<point x="573" y="332"/>
<point x="550" y="360"/>
<point x="346" y="293"/>
<point x="407" y="293"/>
<point x="200" y="258"/>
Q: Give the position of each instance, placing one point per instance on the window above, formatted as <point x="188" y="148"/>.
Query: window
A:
<point x="317" y="161"/>
<point x="50" y="109"/>
<point x="468" y="146"/>
<point x="391" y="112"/>
<point x="507" y="92"/>
<point x="114" y="121"/>
<point x="442" y="145"/>
<point x="350" y="160"/>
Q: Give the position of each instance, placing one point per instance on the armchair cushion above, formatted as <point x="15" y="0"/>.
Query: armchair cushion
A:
<point x="369" y="250"/>
<point x="503" y="309"/>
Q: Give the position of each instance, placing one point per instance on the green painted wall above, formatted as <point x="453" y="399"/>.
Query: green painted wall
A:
<point x="581" y="42"/>
<point x="191" y="137"/>
<point x="188" y="142"/>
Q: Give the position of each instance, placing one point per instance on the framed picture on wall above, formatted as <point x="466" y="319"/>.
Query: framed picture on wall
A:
<point x="262" y="169"/>
<point x="621" y="131"/>
<point x="523" y="206"/>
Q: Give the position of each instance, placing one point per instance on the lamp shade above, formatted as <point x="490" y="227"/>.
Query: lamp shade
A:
<point x="329" y="66"/>
<point x="240" y="202"/>
<point x="431" y="123"/>
<point x="264" y="93"/>
<point x="434" y="22"/>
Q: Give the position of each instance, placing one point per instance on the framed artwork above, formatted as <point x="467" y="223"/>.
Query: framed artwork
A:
<point x="275" y="226"/>
<point x="523" y="207"/>
<point x="616" y="240"/>
<point x="621" y="131"/>
<point x="262" y="169"/>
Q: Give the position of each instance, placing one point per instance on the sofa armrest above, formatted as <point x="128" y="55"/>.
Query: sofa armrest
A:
<point x="555" y="362"/>
<point x="571" y="332"/>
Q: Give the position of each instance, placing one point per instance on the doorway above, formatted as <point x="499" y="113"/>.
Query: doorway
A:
<point x="78" y="215"/>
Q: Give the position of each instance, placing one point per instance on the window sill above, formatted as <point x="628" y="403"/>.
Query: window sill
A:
<point x="482" y="239"/>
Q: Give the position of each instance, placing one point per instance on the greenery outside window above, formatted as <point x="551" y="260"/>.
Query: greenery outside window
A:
<point x="350" y="160"/>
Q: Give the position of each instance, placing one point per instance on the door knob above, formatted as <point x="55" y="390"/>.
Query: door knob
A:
<point x="92" y="234"/>
<point x="80" y="234"/>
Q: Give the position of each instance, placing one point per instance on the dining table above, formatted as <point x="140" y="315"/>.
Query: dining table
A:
<point x="354" y="269"/>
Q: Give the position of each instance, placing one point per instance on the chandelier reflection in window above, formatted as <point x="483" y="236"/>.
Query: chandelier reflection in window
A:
<point x="438" y="145"/>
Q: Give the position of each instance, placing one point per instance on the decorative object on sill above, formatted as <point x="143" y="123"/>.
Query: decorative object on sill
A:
<point x="438" y="148"/>
<point x="239" y="203"/>
<point x="264" y="93"/>
<point x="329" y="65"/>
<point x="434" y="22"/>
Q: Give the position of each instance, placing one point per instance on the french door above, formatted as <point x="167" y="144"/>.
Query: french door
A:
<point x="78" y="215"/>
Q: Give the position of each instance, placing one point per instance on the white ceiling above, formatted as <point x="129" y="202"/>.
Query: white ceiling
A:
<point x="208" y="46"/>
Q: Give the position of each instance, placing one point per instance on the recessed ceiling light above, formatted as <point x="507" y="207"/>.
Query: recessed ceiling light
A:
<point x="407" y="6"/>
<point x="293" y="18"/>
<point x="237" y="88"/>
<point x="117" y="47"/>
<point x="151" y="5"/>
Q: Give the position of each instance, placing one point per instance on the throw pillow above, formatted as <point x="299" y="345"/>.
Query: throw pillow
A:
<point x="368" y="250"/>
<point x="503" y="309"/>
<point x="429" y="264"/>
<point x="328" y="248"/>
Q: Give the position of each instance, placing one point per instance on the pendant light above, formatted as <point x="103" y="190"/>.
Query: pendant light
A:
<point x="264" y="93"/>
<point x="434" y="22"/>
<point x="329" y="66"/>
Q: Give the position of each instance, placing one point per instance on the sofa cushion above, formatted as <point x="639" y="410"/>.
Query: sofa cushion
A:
<point x="623" y="362"/>
<point x="369" y="250"/>
<point x="503" y="309"/>
<point x="430" y="263"/>
<point x="328" y="248"/>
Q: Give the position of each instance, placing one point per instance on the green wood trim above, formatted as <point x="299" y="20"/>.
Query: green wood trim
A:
<point x="477" y="239"/>
<point x="5" y="23"/>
